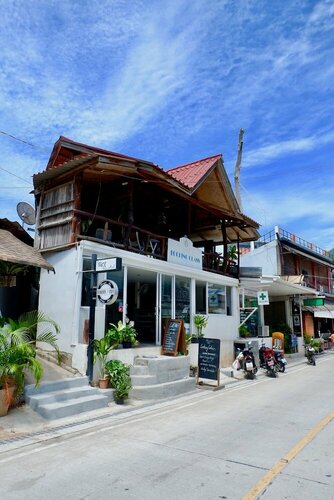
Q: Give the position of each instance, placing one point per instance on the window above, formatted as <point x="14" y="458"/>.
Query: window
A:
<point x="200" y="297"/>
<point x="86" y="277"/>
<point x="182" y="298"/>
<point x="217" y="299"/>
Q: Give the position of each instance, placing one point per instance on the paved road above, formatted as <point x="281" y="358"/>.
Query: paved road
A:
<point x="215" y="446"/>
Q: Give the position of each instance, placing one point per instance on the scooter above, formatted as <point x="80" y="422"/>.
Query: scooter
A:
<point x="267" y="361"/>
<point x="247" y="362"/>
<point x="280" y="361"/>
<point x="310" y="354"/>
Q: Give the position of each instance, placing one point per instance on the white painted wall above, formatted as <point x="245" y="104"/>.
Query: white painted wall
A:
<point x="266" y="257"/>
<point x="60" y="293"/>
<point x="60" y="297"/>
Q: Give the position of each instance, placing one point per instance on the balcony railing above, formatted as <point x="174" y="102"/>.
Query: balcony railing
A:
<point x="268" y="237"/>
<point x="136" y="239"/>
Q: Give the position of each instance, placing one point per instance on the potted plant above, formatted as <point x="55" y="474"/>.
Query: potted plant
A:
<point x="102" y="348"/>
<point x="200" y="322"/>
<point x="243" y="331"/>
<point x="9" y="271"/>
<point x="120" y="380"/>
<point x="16" y="356"/>
<point x="124" y="333"/>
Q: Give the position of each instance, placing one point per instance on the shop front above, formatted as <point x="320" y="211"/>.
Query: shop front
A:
<point x="149" y="292"/>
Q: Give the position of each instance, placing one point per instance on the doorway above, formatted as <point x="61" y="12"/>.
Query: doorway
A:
<point x="141" y="303"/>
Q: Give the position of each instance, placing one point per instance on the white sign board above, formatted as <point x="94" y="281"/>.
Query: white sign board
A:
<point x="183" y="253"/>
<point x="111" y="264"/>
<point x="107" y="292"/>
<point x="263" y="298"/>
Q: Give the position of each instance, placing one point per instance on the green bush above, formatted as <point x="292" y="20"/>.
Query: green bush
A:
<point x="120" y="379"/>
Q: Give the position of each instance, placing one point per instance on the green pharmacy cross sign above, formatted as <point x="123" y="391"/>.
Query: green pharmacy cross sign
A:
<point x="263" y="298"/>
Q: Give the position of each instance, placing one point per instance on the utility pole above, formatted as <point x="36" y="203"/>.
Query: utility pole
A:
<point x="237" y="168"/>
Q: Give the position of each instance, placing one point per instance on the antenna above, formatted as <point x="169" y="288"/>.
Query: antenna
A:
<point x="26" y="213"/>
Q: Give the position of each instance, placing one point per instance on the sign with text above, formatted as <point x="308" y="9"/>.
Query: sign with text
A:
<point x="209" y="359"/>
<point x="110" y="264"/>
<point x="263" y="298"/>
<point x="183" y="253"/>
<point x="314" y="302"/>
<point x="107" y="292"/>
<point x="174" y="338"/>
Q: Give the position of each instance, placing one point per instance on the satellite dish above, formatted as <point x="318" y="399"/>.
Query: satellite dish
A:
<point x="26" y="213"/>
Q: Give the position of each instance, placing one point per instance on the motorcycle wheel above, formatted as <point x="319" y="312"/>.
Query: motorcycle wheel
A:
<point x="313" y="361"/>
<point x="281" y="368"/>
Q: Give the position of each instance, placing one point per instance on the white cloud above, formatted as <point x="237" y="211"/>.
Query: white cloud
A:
<point x="270" y="152"/>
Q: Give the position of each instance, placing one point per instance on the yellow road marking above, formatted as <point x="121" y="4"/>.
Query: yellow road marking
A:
<point x="283" y="462"/>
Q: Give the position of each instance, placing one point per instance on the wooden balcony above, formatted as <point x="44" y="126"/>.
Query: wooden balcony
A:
<point x="136" y="239"/>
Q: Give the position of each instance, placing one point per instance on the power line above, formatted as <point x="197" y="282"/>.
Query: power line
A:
<point x="24" y="142"/>
<point x="14" y="175"/>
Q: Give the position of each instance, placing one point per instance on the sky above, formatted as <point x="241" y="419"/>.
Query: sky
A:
<point x="173" y="81"/>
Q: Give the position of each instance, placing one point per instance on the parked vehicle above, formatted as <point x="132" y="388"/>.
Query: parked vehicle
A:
<point x="310" y="354"/>
<point x="245" y="360"/>
<point x="280" y="361"/>
<point x="268" y="361"/>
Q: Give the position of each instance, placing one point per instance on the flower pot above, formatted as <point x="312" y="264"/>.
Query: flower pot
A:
<point x="194" y="340"/>
<point x="103" y="383"/>
<point x="6" y="398"/>
<point x="119" y="401"/>
<point x="127" y="344"/>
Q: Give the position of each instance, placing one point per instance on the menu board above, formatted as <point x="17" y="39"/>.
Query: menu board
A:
<point x="208" y="358"/>
<point x="171" y="339"/>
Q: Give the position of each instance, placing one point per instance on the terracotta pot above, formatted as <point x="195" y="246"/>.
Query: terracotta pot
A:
<point x="103" y="383"/>
<point x="6" y="398"/>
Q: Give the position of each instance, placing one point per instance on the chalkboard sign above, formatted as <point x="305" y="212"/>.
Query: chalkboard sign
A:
<point x="170" y="345"/>
<point x="208" y="358"/>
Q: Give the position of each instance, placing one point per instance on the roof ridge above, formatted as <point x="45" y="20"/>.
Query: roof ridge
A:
<point x="196" y="161"/>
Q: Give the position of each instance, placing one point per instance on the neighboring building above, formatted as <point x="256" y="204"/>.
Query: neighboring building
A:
<point x="165" y="226"/>
<point x="298" y="277"/>
<point x="19" y="270"/>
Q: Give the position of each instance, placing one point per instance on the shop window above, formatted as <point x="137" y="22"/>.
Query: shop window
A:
<point x="182" y="298"/>
<point x="201" y="297"/>
<point x="217" y="299"/>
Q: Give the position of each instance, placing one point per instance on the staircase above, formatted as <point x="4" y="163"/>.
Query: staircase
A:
<point x="65" y="397"/>
<point x="159" y="377"/>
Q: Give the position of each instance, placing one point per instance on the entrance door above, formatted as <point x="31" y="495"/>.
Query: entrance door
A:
<point x="164" y="304"/>
<point x="141" y="303"/>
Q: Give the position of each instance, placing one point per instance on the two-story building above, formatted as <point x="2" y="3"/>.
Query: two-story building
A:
<point x="298" y="277"/>
<point x="165" y="226"/>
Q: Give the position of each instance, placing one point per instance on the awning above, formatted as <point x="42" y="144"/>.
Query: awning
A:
<point x="326" y="311"/>
<point x="277" y="286"/>
<point x="14" y="250"/>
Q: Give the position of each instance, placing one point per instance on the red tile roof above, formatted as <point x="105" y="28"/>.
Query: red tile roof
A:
<point x="191" y="173"/>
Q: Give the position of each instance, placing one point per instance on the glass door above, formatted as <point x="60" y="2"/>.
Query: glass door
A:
<point x="165" y="309"/>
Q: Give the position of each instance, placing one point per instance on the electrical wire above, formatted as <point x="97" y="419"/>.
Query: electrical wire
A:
<point x="14" y="175"/>
<point x="24" y="142"/>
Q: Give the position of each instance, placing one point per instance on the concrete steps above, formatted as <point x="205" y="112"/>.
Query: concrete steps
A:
<point x="160" y="377"/>
<point x="65" y="397"/>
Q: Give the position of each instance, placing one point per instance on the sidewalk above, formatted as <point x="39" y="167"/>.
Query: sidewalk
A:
<point x="22" y="421"/>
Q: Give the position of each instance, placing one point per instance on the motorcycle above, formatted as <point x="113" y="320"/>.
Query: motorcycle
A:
<point x="280" y="361"/>
<point x="246" y="361"/>
<point x="310" y="354"/>
<point x="267" y="361"/>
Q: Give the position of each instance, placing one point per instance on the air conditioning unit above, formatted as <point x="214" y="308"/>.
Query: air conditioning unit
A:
<point x="263" y="331"/>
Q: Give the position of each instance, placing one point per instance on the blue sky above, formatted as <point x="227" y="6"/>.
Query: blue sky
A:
<point x="172" y="81"/>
